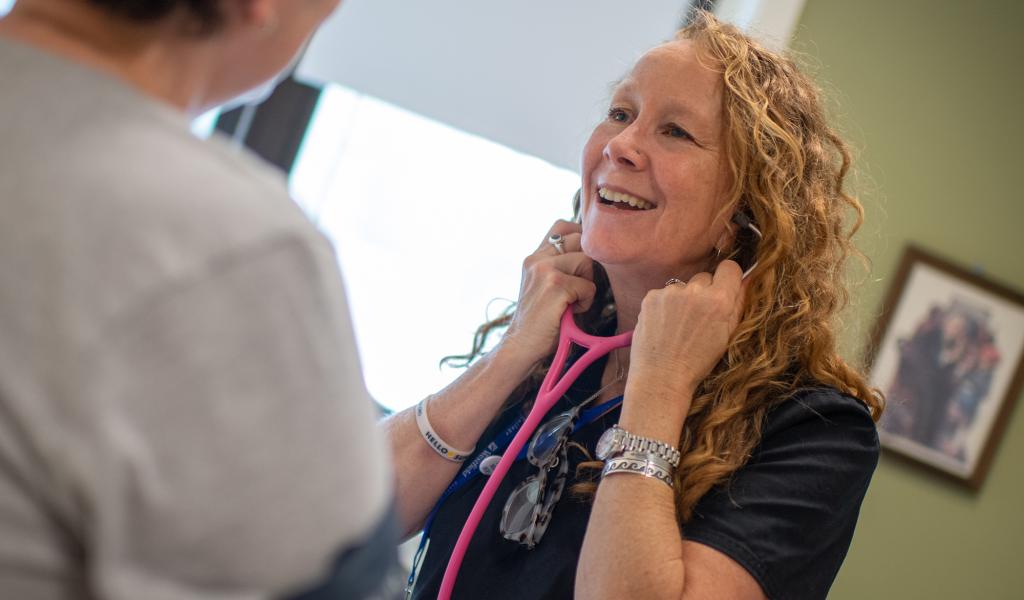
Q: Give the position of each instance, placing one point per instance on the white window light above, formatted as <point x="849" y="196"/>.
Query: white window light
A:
<point x="430" y="224"/>
<point x="770" y="21"/>
<point x="532" y="75"/>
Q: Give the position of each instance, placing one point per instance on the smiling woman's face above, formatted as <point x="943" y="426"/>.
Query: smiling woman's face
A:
<point x="654" y="177"/>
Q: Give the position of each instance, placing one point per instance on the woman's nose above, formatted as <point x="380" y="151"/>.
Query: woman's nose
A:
<point x="625" y="149"/>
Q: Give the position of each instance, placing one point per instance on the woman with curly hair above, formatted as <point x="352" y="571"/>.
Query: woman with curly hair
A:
<point x="735" y="444"/>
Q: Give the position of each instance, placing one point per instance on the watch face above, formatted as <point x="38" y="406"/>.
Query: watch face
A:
<point x="608" y="443"/>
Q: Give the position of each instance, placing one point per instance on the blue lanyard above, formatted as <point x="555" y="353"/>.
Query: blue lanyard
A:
<point x="468" y="473"/>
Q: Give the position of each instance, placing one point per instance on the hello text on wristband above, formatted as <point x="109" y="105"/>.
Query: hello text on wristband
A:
<point x="440" y="446"/>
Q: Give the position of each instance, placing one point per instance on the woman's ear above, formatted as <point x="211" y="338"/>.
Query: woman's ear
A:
<point x="261" y="14"/>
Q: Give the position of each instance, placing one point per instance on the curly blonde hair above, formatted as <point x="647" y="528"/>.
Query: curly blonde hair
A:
<point x="788" y="167"/>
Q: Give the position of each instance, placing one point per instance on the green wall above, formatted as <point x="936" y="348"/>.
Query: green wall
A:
<point x="932" y="95"/>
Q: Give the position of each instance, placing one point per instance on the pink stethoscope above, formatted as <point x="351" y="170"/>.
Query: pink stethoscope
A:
<point x="552" y="388"/>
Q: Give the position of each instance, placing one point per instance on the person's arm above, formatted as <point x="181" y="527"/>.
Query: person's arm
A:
<point x="461" y="412"/>
<point x="633" y="547"/>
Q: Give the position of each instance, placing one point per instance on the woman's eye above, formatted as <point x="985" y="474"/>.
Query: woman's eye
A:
<point x="677" y="132"/>
<point x="617" y="114"/>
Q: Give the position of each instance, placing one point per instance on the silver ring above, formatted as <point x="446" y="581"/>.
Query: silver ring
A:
<point x="673" y="281"/>
<point x="555" y="239"/>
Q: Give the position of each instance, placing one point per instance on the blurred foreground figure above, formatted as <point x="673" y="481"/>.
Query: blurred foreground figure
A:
<point x="182" y="413"/>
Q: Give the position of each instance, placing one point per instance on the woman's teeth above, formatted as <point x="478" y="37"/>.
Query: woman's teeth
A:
<point x="619" y="197"/>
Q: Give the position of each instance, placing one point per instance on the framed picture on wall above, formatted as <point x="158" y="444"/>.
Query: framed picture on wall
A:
<point x="948" y="352"/>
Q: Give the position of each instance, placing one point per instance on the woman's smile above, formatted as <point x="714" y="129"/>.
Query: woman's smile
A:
<point x="623" y="200"/>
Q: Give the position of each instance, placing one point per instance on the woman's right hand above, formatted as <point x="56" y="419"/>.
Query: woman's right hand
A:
<point x="551" y="282"/>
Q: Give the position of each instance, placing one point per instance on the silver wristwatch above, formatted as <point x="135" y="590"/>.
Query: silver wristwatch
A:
<point x="616" y="441"/>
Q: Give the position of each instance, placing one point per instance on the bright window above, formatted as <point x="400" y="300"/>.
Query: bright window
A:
<point x="430" y="224"/>
<point x="5" y="5"/>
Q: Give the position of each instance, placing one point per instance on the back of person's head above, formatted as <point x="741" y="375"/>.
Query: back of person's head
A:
<point x="206" y="16"/>
<point x="194" y="54"/>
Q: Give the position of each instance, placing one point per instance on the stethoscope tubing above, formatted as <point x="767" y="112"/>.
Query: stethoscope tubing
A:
<point x="554" y="386"/>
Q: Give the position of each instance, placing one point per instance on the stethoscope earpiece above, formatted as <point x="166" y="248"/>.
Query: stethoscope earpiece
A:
<point x="744" y="222"/>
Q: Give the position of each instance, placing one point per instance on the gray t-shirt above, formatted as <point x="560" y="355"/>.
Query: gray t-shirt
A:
<point x="182" y="413"/>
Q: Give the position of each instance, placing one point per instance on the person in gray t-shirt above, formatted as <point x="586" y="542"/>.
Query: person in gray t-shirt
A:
<point x="182" y="413"/>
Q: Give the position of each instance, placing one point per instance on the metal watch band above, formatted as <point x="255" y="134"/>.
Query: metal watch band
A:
<point x="644" y="445"/>
<point x="648" y="465"/>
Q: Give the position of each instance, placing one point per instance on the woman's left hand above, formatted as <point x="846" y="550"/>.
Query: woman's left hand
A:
<point x="683" y="331"/>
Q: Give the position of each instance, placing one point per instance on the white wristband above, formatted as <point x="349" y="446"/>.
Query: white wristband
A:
<point x="440" y="446"/>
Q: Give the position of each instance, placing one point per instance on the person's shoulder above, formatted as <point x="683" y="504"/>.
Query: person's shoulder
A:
<point x="822" y="412"/>
<point x="181" y="203"/>
<point x="160" y="183"/>
<point x="212" y="185"/>
<point x="820" y="402"/>
<point x="111" y="148"/>
<point x="807" y="475"/>
<point x="115" y="196"/>
<point x="110" y="151"/>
